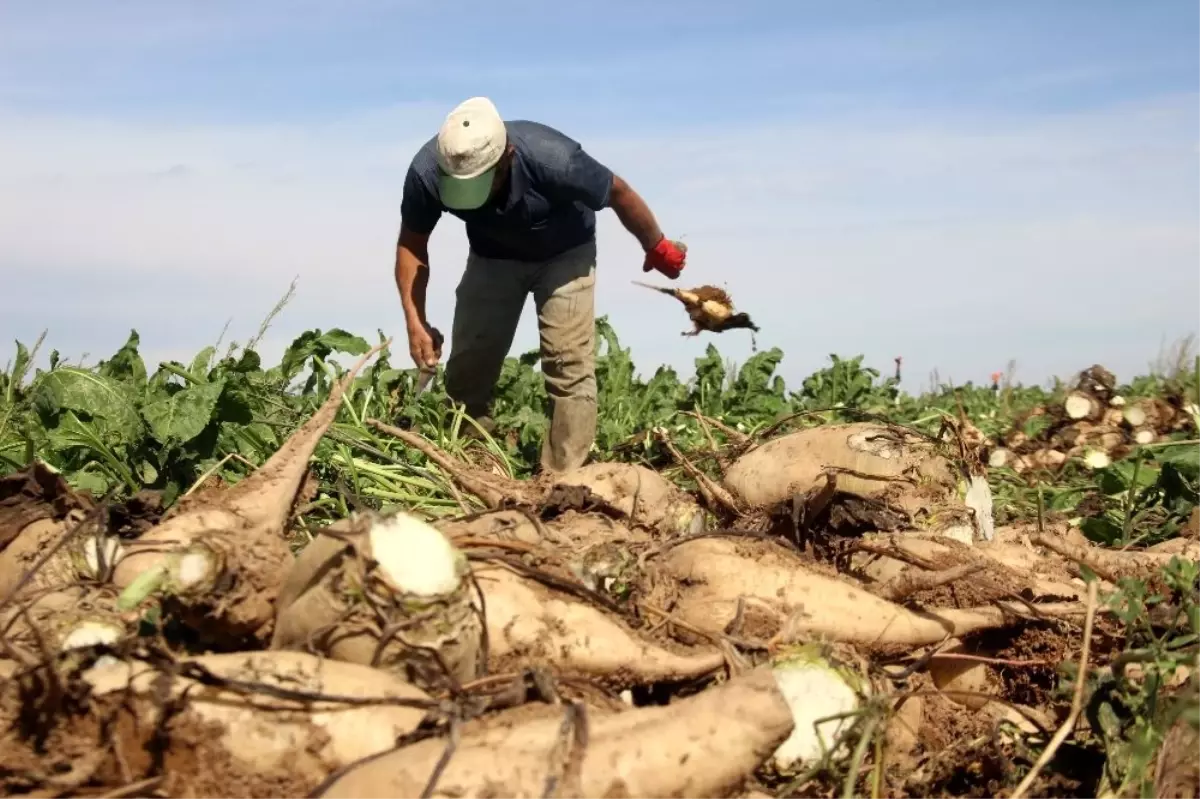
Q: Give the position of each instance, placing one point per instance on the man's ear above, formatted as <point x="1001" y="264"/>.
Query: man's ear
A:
<point x="506" y="159"/>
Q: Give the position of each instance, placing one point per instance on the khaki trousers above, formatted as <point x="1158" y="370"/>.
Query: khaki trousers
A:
<point x="489" y="300"/>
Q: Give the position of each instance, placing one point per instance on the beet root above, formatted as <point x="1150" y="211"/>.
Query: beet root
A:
<point x="702" y="746"/>
<point x="823" y="692"/>
<point x="640" y="495"/>
<point x="218" y="563"/>
<point x="70" y="618"/>
<point x="885" y="478"/>
<point x="247" y="723"/>
<point x="529" y="624"/>
<point x="390" y="592"/>
<point x="88" y="554"/>
<point x="801" y="605"/>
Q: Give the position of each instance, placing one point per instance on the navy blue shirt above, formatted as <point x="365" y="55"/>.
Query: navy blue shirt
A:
<point x="554" y="190"/>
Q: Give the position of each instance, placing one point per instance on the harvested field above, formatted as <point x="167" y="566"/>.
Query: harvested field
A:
<point x="220" y="579"/>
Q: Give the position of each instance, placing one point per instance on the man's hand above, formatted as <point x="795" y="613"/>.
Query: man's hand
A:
<point x="668" y="257"/>
<point x="424" y="345"/>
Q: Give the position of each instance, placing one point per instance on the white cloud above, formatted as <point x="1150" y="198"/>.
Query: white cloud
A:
<point x="955" y="242"/>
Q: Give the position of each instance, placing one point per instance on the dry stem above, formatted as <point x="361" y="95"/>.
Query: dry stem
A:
<point x="714" y="494"/>
<point x="491" y="495"/>
<point x="910" y="582"/>
<point x="736" y="437"/>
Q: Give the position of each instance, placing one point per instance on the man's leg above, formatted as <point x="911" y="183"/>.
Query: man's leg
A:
<point x="565" y="295"/>
<point x="487" y="307"/>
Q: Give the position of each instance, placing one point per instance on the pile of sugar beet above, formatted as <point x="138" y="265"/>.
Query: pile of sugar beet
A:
<point x="837" y="614"/>
<point x="1094" y="423"/>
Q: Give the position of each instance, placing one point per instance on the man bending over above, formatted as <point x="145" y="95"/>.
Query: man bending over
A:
<point x="529" y="196"/>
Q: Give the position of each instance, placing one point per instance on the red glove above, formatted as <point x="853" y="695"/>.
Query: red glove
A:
<point x="667" y="257"/>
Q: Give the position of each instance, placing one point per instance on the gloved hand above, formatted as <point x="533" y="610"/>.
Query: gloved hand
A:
<point x="667" y="257"/>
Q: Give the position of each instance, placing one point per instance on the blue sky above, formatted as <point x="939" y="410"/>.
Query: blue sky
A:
<point x="957" y="183"/>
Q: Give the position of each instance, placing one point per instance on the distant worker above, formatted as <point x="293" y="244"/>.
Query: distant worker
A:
<point x="528" y="195"/>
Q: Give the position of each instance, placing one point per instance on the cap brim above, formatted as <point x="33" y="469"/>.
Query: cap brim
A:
<point x="465" y="194"/>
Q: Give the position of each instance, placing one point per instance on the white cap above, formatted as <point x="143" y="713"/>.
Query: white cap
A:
<point x="469" y="146"/>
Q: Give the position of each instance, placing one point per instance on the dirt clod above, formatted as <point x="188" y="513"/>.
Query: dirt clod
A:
<point x="33" y="494"/>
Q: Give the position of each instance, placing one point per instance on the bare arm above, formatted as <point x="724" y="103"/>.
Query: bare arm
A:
<point x="412" y="274"/>
<point x="412" y="279"/>
<point x="634" y="214"/>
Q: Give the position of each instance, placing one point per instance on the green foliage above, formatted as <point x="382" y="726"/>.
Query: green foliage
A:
<point x="1146" y="497"/>
<point x="1140" y="695"/>
<point x="848" y="384"/>
<point x="114" y="426"/>
<point x="121" y="426"/>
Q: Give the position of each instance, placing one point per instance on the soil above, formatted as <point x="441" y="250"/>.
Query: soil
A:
<point x="1043" y="648"/>
<point x="207" y="493"/>
<point x="979" y="589"/>
<point x="90" y="747"/>
<point x="34" y="494"/>
<point x="987" y="766"/>
<point x="563" y="498"/>
<point x="136" y="515"/>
